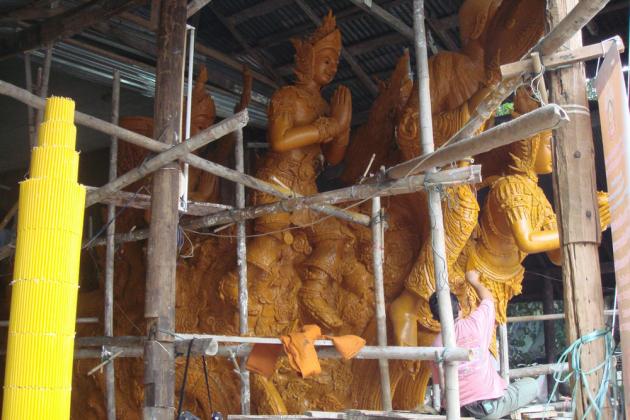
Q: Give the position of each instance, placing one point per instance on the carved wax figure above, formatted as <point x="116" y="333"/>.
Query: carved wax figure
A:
<point x="304" y="131"/>
<point x="516" y="220"/>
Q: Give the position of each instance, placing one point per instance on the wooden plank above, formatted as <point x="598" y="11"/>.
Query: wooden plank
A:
<point x="576" y="198"/>
<point x="561" y="58"/>
<point x="60" y="26"/>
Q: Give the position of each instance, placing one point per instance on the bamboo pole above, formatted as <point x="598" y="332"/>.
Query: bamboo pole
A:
<point x="174" y="153"/>
<point x="241" y="261"/>
<point x="143" y="201"/>
<point x="538" y="370"/>
<point x="159" y="313"/>
<point x="110" y="250"/>
<point x="544" y="118"/>
<point x="451" y="383"/>
<point x="227" y="346"/>
<point x="471" y="174"/>
<point x="548" y="317"/>
<point x="378" y="248"/>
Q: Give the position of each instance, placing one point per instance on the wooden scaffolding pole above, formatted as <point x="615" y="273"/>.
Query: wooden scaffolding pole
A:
<point x="159" y="312"/>
<point x="451" y="382"/>
<point x="378" y="250"/>
<point x="108" y="305"/>
<point x="241" y="255"/>
<point x="576" y="204"/>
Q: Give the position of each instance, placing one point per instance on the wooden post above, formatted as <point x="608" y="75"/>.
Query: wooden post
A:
<point x="108" y="305"/>
<point x="550" y="329"/>
<point x="438" y="240"/>
<point x="159" y="356"/>
<point x="378" y="248"/>
<point x="577" y="210"/>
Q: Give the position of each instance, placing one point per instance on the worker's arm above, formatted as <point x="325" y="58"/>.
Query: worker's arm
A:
<point x="472" y="277"/>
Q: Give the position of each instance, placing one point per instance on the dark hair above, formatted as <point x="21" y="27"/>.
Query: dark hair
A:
<point x="435" y="311"/>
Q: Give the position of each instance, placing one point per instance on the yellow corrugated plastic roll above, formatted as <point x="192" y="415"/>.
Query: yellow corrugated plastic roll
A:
<point x="38" y="377"/>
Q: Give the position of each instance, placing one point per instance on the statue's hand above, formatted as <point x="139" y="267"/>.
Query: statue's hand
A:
<point x="604" y="209"/>
<point x="341" y="108"/>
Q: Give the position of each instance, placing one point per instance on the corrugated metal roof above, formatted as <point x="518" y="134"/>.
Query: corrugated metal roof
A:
<point x="268" y="27"/>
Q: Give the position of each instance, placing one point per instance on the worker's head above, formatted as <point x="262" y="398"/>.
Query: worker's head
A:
<point x="435" y="309"/>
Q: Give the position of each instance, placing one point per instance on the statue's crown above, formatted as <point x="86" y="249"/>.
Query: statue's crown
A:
<point x="327" y="35"/>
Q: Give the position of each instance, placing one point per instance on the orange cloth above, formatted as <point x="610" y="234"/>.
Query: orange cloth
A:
<point x="262" y="359"/>
<point x="347" y="345"/>
<point x="300" y="349"/>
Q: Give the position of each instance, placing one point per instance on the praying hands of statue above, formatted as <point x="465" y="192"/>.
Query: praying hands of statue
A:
<point x="341" y="112"/>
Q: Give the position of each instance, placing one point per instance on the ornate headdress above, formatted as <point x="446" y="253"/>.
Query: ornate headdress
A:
<point x="327" y="36"/>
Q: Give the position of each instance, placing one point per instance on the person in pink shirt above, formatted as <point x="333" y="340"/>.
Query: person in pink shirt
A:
<point x="483" y="394"/>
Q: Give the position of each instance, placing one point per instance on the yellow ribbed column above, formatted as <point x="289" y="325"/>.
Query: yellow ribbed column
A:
<point x="38" y="377"/>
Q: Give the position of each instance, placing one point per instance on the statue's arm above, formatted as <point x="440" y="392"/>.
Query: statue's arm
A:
<point x="532" y="242"/>
<point x="285" y="136"/>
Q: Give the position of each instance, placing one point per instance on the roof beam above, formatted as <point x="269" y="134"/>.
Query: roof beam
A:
<point x="386" y="17"/>
<point x="356" y="68"/>
<point x="194" y="6"/>
<point x="257" y="55"/>
<point x="440" y="30"/>
<point x="372" y="44"/>
<point x="256" y="10"/>
<point x="348" y="13"/>
<point x="66" y="24"/>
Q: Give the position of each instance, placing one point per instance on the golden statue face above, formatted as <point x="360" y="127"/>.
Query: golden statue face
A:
<point x="543" y="164"/>
<point x="325" y="66"/>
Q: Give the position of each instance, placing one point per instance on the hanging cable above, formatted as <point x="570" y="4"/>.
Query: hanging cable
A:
<point x="579" y="376"/>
